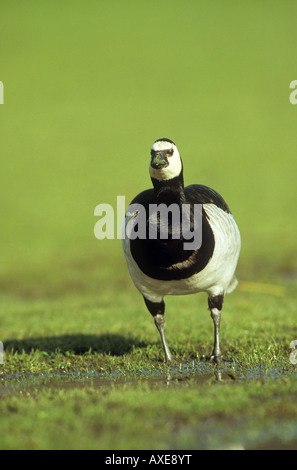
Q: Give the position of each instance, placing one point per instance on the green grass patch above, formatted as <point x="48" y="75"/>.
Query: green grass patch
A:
<point x="101" y="369"/>
<point x="87" y="90"/>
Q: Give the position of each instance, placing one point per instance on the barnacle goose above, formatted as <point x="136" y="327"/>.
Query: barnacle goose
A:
<point x="160" y="267"/>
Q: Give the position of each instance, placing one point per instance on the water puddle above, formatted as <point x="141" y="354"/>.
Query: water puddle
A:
<point x="230" y="433"/>
<point x="194" y="373"/>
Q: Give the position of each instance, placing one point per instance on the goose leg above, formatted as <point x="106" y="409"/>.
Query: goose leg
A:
<point x="215" y="304"/>
<point x="157" y="310"/>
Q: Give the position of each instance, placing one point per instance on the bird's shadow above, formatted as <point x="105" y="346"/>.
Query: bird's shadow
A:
<point x="79" y="344"/>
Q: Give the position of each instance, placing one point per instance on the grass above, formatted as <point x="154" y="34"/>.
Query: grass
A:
<point x="86" y="92"/>
<point x="100" y="375"/>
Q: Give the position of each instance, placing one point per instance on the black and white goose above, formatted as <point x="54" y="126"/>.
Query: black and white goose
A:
<point x="160" y="267"/>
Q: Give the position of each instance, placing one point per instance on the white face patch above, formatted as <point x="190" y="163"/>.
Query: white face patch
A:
<point x="175" y="165"/>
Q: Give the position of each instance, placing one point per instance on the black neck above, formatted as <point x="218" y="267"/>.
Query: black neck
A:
<point x="169" y="191"/>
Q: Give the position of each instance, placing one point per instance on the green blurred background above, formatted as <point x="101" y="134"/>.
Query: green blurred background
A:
<point x="89" y="86"/>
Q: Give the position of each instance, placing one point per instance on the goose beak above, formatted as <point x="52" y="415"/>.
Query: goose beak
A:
<point x="159" y="160"/>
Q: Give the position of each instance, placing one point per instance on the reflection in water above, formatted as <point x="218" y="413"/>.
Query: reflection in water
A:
<point x="193" y="373"/>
